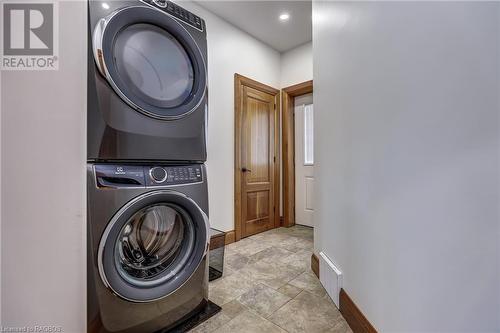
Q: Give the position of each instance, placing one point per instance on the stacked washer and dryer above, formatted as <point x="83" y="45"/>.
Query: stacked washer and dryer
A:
<point x="148" y="230"/>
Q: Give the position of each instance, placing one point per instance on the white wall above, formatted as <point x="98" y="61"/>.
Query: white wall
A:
<point x="43" y="186"/>
<point x="407" y="149"/>
<point x="230" y="51"/>
<point x="297" y="65"/>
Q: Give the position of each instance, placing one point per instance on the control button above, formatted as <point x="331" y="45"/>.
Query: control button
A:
<point x="158" y="174"/>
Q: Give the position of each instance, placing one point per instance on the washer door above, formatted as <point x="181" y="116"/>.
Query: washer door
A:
<point x="152" y="246"/>
<point x="151" y="61"/>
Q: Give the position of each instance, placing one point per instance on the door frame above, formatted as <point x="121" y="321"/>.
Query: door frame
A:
<point x="288" y="95"/>
<point x="239" y="82"/>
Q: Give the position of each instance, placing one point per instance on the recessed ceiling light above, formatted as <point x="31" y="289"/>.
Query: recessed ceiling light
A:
<point x="284" y="17"/>
<point x="105" y="5"/>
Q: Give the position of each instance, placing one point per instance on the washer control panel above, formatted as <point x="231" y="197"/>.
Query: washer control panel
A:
<point x="174" y="175"/>
<point x="177" y="11"/>
<point x="112" y="175"/>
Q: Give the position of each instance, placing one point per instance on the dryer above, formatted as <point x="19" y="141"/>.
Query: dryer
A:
<point x="148" y="238"/>
<point x="147" y="82"/>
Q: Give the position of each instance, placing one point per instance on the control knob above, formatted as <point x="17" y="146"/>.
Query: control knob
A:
<point x="158" y="174"/>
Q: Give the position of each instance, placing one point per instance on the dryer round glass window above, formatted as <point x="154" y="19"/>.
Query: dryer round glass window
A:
<point x="151" y="240"/>
<point x="151" y="61"/>
<point x="154" y="65"/>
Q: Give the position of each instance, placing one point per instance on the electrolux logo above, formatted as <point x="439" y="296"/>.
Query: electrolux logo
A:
<point x="30" y="36"/>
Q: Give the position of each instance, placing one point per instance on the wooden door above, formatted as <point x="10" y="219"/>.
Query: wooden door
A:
<point x="304" y="160"/>
<point x="257" y="202"/>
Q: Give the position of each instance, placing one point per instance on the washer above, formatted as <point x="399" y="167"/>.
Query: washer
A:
<point x="147" y="82"/>
<point x="148" y="238"/>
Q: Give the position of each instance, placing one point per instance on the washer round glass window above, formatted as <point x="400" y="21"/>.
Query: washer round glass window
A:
<point x="153" y="65"/>
<point x="155" y="239"/>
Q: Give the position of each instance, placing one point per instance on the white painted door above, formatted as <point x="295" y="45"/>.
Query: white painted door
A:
<point x="304" y="160"/>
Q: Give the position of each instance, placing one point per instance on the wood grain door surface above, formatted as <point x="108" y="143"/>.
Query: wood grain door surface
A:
<point x="257" y="161"/>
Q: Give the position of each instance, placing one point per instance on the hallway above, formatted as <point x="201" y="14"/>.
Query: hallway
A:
<point x="268" y="286"/>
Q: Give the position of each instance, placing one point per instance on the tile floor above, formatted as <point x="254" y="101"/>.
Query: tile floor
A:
<point x="268" y="286"/>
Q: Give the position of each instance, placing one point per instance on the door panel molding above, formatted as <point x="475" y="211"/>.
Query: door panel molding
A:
<point x="288" y="95"/>
<point x="244" y="86"/>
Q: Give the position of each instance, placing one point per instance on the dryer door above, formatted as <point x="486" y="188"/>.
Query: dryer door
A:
<point x="153" y="245"/>
<point x="151" y="61"/>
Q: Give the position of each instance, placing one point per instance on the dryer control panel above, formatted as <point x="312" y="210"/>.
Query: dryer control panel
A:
<point x="178" y="12"/>
<point x="112" y="175"/>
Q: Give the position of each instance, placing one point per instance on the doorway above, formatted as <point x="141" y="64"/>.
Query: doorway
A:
<point x="256" y="157"/>
<point x="304" y="160"/>
<point x="295" y="97"/>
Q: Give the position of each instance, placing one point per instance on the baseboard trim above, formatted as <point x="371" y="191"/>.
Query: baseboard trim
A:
<point x="353" y="315"/>
<point x="230" y="237"/>
<point x="315" y="265"/>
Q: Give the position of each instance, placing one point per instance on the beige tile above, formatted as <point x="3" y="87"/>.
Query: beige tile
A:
<point x="267" y="237"/>
<point x="230" y="249"/>
<point x="268" y="276"/>
<point x="236" y="261"/>
<point x="272" y="231"/>
<point x="233" y="308"/>
<point x="293" y="247"/>
<point x="228" y="288"/>
<point x="270" y="254"/>
<point x="273" y="275"/>
<point x="280" y="230"/>
<point x="276" y="239"/>
<point x="309" y="282"/>
<point x="289" y="244"/>
<point x="340" y="327"/>
<point x="306" y="244"/>
<point x="263" y="300"/>
<point x="249" y="322"/>
<point x="248" y="247"/>
<point x="306" y="313"/>
<point x="212" y="323"/>
<point x="238" y="244"/>
<point x="227" y="270"/>
<point x="289" y="290"/>
<point x="298" y="244"/>
<point x="301" y="232"/>
<point x="300" y="260"/>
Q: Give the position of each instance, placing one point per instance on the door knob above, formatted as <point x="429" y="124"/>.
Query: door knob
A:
<point x="245" y="170"/>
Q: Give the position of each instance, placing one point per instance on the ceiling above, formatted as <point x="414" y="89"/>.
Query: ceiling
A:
<point x="261" y="20"/>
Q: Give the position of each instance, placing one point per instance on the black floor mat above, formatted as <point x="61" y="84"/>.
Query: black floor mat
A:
<point x="206" y="312"/>
<point x="213" y="274"/>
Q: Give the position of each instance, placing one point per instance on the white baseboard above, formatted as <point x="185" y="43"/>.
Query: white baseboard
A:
<point x="330" y="277"/>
